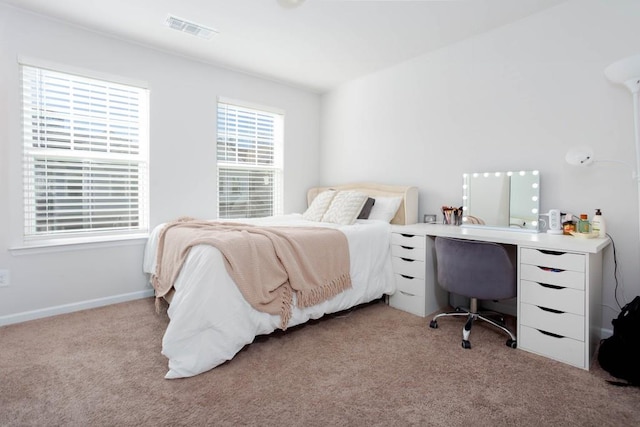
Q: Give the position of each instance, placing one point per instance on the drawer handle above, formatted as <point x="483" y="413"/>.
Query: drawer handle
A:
<point x="551" y="270"/>
<point x="550" y="334"/>
<point x="407" y="235"/>
<point x="548" y="252"/>
<point x="407" y="259"/>
<point x="550" y="310"/>
<point x="407" y="277"/>
<point x="407" y="247"/>
<point x="407" y="294"/>
<point x="546" y="285"/>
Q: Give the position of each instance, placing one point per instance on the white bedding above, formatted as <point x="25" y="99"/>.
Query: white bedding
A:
<point x="210" y="321"/>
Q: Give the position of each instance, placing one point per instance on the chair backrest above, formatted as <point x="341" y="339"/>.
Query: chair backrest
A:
<point x="475" y="269"/>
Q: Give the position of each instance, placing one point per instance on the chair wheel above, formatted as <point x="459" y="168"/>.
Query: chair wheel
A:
<point x="433" y="324"/>
<point x="466" y="344"/>
<point x="512" y="343"/>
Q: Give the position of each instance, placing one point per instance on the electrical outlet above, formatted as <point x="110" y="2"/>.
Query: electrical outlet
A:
<point x="4" y="278"/>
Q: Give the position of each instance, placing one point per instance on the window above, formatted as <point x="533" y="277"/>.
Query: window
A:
<point x="249" y="152"/>
<point x="85" y="155"/>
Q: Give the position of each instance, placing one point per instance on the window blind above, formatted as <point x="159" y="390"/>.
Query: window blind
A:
<point x="85" y="155"/>
<point x="249" y="154"/>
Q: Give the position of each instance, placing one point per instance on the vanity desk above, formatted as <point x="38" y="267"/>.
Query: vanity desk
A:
<point x="559" y="285"/>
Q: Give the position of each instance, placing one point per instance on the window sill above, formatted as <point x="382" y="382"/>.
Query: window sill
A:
<point x="77" y="244"/>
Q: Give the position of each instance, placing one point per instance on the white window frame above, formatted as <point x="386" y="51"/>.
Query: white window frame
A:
<point x="246" y="165"/>
<point x="118" y="171"/>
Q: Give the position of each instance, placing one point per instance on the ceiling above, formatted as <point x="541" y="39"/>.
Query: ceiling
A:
<point x="318" y="45"/>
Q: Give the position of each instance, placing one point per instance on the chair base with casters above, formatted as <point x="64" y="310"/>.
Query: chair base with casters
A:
<point x="472" y="315"/>
<point x="479" y="271"/>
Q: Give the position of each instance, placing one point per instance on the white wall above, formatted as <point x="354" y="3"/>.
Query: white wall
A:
<point x="183" y="172"/>
<point x="517" y="97"/>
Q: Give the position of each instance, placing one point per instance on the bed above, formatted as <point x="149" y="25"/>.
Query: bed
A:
<point x="211" y="321"/>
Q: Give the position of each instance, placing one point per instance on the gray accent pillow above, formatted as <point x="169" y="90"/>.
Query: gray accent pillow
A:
<point x="366" y="209"/>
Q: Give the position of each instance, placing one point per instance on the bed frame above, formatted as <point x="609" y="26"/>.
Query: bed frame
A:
<point x="408" y="210"/>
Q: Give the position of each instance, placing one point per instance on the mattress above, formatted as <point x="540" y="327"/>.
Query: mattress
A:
<point x="210" y="321"/>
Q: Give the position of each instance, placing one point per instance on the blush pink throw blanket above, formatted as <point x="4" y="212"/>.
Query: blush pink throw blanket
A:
<point x="267" y="264"/>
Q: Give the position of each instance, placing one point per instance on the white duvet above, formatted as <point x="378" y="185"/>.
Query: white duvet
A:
<point x="210" y="321"/>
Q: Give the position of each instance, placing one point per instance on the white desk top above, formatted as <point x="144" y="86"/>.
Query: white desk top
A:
<point x="535" y="240"/>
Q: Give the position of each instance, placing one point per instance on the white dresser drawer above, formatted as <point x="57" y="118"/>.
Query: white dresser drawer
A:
<point x="408" y="267"/>
<point x="410" y="240"/>
<point x="408" y="252"/>
<point x="565" y="324"/>
<point x="563" y="299"/>
<point x="565" y="278"/>
<point x="411" y="285"/>
<point x="405" y="301"/>
<point x="562" y="349"/>
<point x="551" y="259"/>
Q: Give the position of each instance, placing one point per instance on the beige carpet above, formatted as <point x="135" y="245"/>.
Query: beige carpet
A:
<point x="372" y="366"/>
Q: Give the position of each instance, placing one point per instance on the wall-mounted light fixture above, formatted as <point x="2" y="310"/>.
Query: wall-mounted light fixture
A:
<point x="584" y="156"/>
<point x="626" y="72"/>
<point x="579" y="156"/>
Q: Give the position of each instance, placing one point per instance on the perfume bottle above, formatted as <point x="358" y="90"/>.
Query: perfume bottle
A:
<point x="583" y="224"/>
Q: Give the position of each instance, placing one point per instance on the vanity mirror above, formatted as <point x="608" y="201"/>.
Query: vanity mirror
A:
<point x="501" y="200"/>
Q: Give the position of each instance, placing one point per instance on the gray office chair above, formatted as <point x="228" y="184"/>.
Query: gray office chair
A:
<point x="478" y="270"/>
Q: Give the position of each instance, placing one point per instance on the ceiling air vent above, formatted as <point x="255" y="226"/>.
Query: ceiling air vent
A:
<point x="192" y="28"/>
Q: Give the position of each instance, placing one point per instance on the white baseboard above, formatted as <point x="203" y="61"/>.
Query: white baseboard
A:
<point x="70" y="308"/>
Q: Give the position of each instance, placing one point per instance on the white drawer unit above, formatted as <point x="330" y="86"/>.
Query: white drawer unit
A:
<point x="413" y="260"/>
<point x="555" y="305"/>
<point x="407" y="258"/>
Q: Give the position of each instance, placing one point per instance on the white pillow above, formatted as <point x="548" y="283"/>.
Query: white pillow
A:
<point x="319" y="206"/>
<point x="385" y="208"/>
<point x="345" y="207"/>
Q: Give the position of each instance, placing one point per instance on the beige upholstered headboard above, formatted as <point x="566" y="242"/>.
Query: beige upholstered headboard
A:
<point x="408" y="210"/>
